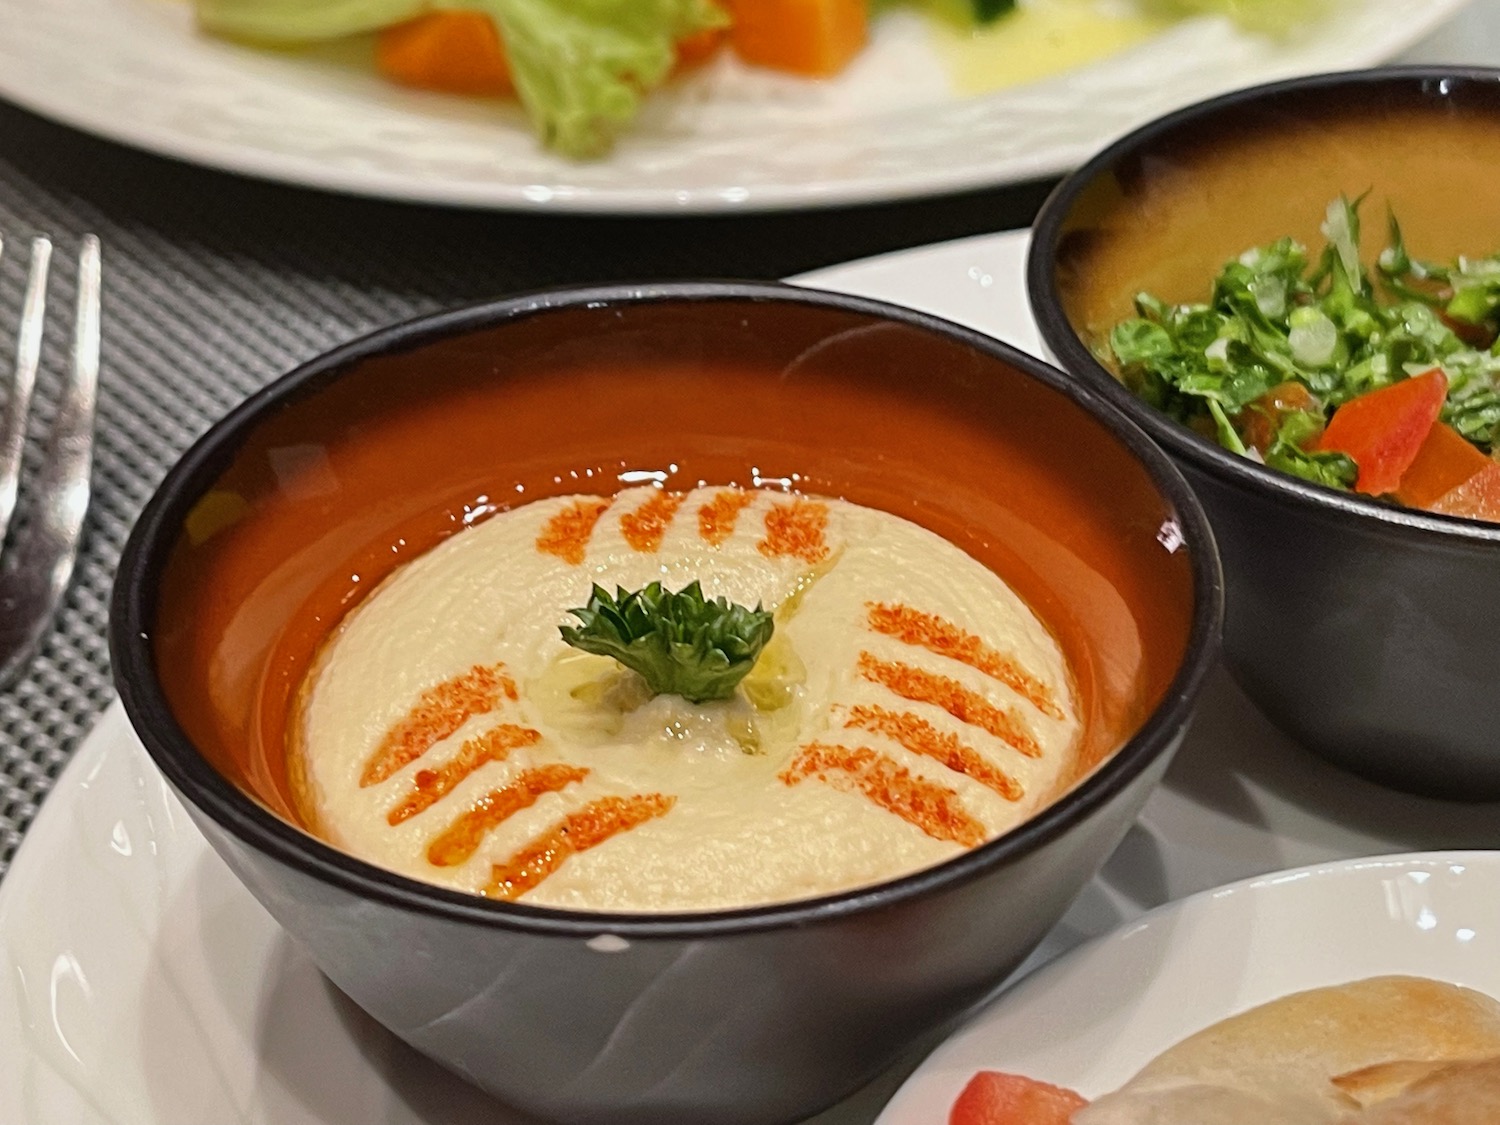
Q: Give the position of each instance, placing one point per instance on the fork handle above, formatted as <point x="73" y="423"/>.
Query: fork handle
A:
<point x="34" y="579"/>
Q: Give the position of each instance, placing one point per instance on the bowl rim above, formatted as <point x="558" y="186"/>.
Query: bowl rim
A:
<point x="1202" y="454"/>
<point x="255" y="826"/>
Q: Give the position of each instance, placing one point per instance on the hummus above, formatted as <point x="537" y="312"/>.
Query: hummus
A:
<point x="909" y="706"/>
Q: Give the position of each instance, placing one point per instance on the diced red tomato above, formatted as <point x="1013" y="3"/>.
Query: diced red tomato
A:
<point x="994" y="1098"/>
<point x="1259" y="421"/>
<point x="1444" y="462"/>
<point x="1475" y="335"/>
<point x="1478" y="498"/>
<point x="1383" y="429"/>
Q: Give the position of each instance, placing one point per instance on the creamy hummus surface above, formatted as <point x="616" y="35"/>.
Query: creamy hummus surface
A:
<point x="909" y="706"/>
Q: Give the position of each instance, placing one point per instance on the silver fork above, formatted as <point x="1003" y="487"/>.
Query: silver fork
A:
<point x="38" y="562"/>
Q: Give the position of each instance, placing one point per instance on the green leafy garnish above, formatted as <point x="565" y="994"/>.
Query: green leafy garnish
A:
<point x="581" y="67"/>
<point x="1467" y="291"/>
<point x="988" y="11"/>
<point x="680" y="644"/>
<point x="1275" y="319"/>
<point x="1288" y="452"/>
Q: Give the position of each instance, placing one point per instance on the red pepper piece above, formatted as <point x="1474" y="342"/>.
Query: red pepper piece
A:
<point x="1384" y="429"/>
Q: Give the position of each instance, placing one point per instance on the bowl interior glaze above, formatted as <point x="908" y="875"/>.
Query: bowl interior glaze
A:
<point x="311" y="493"/>
<point x="1165" y="208"/>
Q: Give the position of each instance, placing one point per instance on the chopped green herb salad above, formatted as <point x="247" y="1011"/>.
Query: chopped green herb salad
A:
<point x="1317" y="369"/>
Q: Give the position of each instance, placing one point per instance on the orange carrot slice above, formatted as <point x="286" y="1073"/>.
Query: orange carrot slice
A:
<point x="817" y="38"/>
<point x="454" y="52"/>
<point x="1445" y="460"/>
<point x="1383" y="429"/>
<point x="993" y="1098"/>
<point x="461" y="52"/>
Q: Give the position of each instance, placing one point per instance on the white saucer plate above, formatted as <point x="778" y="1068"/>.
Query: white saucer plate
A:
<point x="1091" y="1019"/>
<point x="728" y="139"/>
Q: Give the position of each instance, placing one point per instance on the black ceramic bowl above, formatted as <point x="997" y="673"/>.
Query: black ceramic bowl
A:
<point x="1369" y="633"/>
<point x="244" y="558"/>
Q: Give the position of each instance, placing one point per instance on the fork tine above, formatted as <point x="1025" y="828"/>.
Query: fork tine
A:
<point x="28" y="355"/>
<point x="33" y="582"/>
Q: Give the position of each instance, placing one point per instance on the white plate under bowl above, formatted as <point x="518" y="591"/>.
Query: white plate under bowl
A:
<point x="143" y="985"/>
<point x="730" y="139"/>
<point x="1094" y="1017"/>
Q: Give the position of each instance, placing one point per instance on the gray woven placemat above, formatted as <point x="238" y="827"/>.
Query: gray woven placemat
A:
<point x="214" y="285"/>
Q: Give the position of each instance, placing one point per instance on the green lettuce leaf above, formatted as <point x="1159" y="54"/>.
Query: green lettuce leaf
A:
<point x="581" y="67"/>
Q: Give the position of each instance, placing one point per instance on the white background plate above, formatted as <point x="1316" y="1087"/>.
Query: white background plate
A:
<point x="135" y="71"/>
<point x="144" y="986"/>
<point x="1091" y="1019"/>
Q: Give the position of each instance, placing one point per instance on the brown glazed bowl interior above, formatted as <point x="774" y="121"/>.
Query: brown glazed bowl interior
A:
<point x="1366" y="631"/>
<point x="274" y="525"/>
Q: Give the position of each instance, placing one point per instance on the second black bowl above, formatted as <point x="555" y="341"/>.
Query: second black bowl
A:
<point x="1369" y="633"/>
